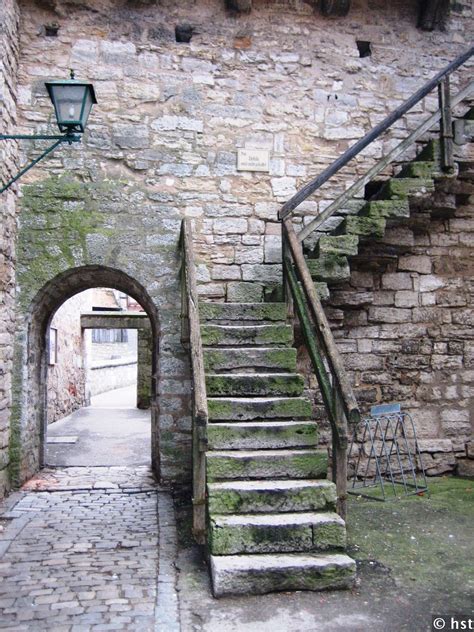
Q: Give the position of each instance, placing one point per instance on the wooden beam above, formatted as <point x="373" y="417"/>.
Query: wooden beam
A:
<point x="433" y="14"/>
<point x="335" y="8"/>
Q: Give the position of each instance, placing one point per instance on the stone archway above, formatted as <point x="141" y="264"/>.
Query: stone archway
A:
<point x="30" y="428"/>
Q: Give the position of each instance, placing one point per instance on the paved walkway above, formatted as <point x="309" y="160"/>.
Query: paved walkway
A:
<point x="109" y="432"/>
<point x="91" y="546"/>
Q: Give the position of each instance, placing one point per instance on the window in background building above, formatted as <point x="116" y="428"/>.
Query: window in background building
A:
<point x="53" y="346"/>
<point x="109" y="335"/>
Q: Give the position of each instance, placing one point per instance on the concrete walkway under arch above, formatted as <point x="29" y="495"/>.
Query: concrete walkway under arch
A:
<point x="112" y="431"/>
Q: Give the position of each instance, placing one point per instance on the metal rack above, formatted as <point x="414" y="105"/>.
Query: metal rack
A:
<point x="388" y="460"/>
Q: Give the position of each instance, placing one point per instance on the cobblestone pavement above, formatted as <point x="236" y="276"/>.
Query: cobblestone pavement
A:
<point x="88" y="549"/>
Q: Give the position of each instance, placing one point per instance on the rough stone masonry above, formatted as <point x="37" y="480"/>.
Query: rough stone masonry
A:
<point x="162" y="144"/>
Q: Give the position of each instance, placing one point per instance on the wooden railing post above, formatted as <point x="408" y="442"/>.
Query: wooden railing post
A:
<point x="200" y="415"/>
<point x="336" y="391"/>
<point x="446" y="126"/>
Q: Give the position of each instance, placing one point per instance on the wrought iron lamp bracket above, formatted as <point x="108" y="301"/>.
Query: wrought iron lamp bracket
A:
<point x="59" y="139"/>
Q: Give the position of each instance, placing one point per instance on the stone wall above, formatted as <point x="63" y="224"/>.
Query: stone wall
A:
<point x="9" y="20"/>
<point x="404" y="324"/>
<point x="67" y="377"/>
<point x="163" y="141"/>
<point x="108" y="375"/>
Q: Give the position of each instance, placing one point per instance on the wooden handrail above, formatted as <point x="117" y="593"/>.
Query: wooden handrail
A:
<point x="309" y="188"/>
<point x="200" y="414"/>
<point x="349" y="402"/>
<point x="336" y="390"/>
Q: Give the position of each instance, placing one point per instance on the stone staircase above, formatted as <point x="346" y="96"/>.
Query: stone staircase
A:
<point x="271" y="512"/>
<point x="328" y="253"/>
<point x="272" y="521"/>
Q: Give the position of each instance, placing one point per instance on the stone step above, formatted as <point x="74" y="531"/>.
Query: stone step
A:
<point x="249" y="384"/>
<point x="275" y="533"/>
<point x="337" y="245"/>
<point x="260" y="574"/>
<point x="243" y="311"/>
<point x="256" y="358"/>
<point x="262" y="435"/>
<point x="331" y="268"/>
<point x="363" y="226"/>
<point x="386" y="208"/>
<point x="420" y="169"/>
<point x="224" y="335"/>
<point x="246" y="409"/>
<point x="406" y="187"/>
<point x="271" y="496"/>
<point x="252" y="464"/>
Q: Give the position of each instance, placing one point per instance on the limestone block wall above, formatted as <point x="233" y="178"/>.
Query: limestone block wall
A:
<point x="67" y="376"/>
<point x="404" y="324"/>
<point x="9" y="20"/>
<point x="162" y="144"/>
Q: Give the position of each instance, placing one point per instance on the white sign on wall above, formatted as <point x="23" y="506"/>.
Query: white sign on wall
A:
<point x="253" y="160"/>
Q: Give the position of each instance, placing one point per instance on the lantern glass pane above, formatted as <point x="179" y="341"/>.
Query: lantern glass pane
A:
<point x="68" y="101"/>
<point x="86" y="107"/>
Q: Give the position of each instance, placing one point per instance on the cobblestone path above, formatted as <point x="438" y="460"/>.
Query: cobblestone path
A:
<point x="80" y="549"/>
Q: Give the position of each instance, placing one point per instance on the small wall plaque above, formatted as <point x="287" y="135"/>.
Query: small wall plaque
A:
<point x="253" y="160"/>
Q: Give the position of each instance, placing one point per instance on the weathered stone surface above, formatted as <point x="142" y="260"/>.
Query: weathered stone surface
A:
<point x="262" y="435"/>
<point x="270" y="496"/>
<point x="258" y="464"/>
<point x="224" y="335"/>
<point x="260" y="384"/>
<point x="242" y="311"/>
<point x="235" y="358"/>
<point x="275" y="533"/>
<point x="330" y="268"/>
<point x="241" y="574"/>
<point x="245" y="409"/>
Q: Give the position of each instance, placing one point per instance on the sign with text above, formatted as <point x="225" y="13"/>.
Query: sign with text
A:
<point x="253" y="160"/>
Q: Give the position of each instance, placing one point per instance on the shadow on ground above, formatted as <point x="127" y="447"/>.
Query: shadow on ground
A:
<point x="414" y="558"/>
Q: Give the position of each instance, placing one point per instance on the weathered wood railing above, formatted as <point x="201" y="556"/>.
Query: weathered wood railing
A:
<point x="339" y="401"/>
<point x="191" y="333"/>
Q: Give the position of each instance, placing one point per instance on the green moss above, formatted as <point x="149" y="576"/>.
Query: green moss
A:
<point x="404" y="187"/>
<point x="254" y="384"/>
<point x="295" y="464"/>
<point x="387" y="208"/>
<point x="235" y="409"/>
<point x="57" y="214"/>
<point x="365" y="226"/>
<point x="425" y="541"/>
<point x="331" y="267"/>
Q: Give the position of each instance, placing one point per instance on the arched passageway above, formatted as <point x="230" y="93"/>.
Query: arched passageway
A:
<point x="32" y="404"/>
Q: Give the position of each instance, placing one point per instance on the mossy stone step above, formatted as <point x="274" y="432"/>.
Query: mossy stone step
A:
<point x="406" y="187"/>
<point x="337" y="245"/>
<point x="275" y="533"/>
<point x="420" y="169"/>
<point x="235" y="359"/>
<point x="331" y="268"/>
<point x="224" y="335"/>
<point x="262" y="435"/>
<point x="260" y="384"/>
<point x="242" y="311"/>
<point x="270" y="496"/>
<point x="260" y="574"/>
<point x="386" y="208"/>
<point x="243" y="409"/>
<point x="363" y="226"/>
<point x="258" y="464"/>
